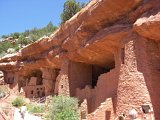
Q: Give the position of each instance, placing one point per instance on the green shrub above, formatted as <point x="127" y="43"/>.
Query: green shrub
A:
<point x="63" y="108"/>
<point x="18" y="102"/>
<point x="36" y="108"/>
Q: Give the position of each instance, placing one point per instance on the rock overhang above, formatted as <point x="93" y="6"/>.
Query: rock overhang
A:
<point x="91" y="36"/>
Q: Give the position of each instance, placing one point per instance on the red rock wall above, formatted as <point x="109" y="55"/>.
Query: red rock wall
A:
<point x="9" y="77"/>
<point x="49" y="80"/>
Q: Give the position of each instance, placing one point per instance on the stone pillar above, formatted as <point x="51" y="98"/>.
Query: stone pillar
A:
<point x="62" y="81"/>
<point x="132" y="89"/>
<point x="49" y="79"/>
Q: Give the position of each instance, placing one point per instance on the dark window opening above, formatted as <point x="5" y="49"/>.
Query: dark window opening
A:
<point x="146" y="109"/>
<point x="61" y="86"/>
<point x="122" y="55"/>
<point x="37" y="88"/>
<point x="32" y="92"/>
<point x="41" y="88"/>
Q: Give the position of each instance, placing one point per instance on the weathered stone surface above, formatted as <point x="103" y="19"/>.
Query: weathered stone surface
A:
<point x="149" y="26"/>
<point x="101" y="47"/>
<point x="76" y="27"/>
<point x="10" y="57"/>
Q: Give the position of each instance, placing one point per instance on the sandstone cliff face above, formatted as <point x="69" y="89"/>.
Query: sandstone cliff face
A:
<point x="149" y="25"/>
<point x="111" y="34"/>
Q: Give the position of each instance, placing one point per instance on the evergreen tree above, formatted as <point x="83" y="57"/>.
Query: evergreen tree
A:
<point x="70" y="8"/>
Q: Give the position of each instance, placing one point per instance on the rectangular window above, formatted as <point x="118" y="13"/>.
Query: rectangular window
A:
<point x="32" y="92"/>
<point x="122" y="55"/>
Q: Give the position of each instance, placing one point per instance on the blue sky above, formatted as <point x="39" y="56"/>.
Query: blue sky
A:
<point x="19" y="15"/>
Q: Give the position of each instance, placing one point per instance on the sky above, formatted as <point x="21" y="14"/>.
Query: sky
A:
<point x="21" y="15"/>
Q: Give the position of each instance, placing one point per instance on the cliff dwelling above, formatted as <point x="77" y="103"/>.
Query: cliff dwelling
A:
<point x="109" y="61"/>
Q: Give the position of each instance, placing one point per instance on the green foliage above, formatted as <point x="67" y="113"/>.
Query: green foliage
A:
<point x="34" y="34"/>
<point x="25" y="38"/>
<point x="36" y="108"/>
<point x="15" y="35"/>
<point x="70" y="8"/>
<point x="63" y="108"/>
<point x="4" y="46"/>
<point x="18" y="102"/>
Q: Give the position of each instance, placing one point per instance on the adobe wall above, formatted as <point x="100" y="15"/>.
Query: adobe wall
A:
<point x="106" y="88"/>
<point x="80" y="75"/>
<point x="32" y="81"/>
<point x="132" y="88"/>
<point x="62" y="81"/>
<point x="103" y="112"/>
<point x="148" y="61"/>
<point x="34" y="91"/>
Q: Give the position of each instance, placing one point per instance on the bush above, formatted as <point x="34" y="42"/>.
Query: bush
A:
<point x="18" y="102"/>
<point x="36" y="108"/>
<point x="63" y="108"/>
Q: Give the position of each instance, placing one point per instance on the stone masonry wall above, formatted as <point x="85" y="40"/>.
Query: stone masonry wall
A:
<point x="62" y="82"/>
<point x="103" y="112"/>
<point x="132" y="89"/>
<point x="106" y="88"/>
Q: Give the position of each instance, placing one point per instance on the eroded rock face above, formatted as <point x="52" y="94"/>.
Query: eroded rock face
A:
<point x="121" y="37"/>
<point x="49" y="80"/>
<point x="149" y="26"/>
